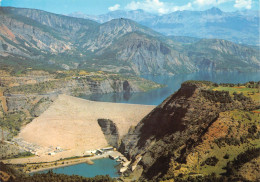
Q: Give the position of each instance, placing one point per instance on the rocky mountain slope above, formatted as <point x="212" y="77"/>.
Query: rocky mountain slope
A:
<point x="201" y="129"/>
<point x="211" y="23"/>
<point x="216" y="54"/>
<point x="107" y="33"/>
<point x="147" y="54"/>
<point x="38" y="39"/>
<point x="34" y="36"/>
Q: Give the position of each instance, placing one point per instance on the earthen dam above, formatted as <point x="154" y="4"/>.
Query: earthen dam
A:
<point x="74" y="123"/>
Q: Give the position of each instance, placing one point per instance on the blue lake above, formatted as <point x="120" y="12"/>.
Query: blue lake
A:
<point x="173" y="83"/>
<point x="104" y="166"/>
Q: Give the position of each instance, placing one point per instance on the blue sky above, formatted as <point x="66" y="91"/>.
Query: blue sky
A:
<point x="153" y="6"/>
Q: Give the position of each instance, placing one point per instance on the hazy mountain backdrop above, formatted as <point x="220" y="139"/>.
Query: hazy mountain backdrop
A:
<point x="239" y="27"/>
<point x="35" y="38"/>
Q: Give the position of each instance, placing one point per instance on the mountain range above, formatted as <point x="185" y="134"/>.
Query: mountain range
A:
<point x="32" y="38"/>
<point x="240" y="27"/>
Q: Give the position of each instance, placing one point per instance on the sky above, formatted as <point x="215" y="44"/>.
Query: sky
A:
<point x="97" y="7"/>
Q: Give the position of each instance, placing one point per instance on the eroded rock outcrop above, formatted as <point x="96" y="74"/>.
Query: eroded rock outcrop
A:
<point x="110" y="131"/>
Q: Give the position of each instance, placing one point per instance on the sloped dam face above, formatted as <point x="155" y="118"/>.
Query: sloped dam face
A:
<point x="74" y="123"/>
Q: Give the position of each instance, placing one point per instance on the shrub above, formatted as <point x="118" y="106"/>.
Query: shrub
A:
<point x="252" y="129"/>
<point x="211" y="161"/>
<point x="217" y="96"/>
<point x="226" y="156"/>
<point x="241" y="159"/>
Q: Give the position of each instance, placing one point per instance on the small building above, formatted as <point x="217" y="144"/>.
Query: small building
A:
<point x="88" y="154"/>
<point x="51" y="153"/>
<point x="107" y="149"/>
<point x="99" y="152"/>
<point x="93" y="151"/>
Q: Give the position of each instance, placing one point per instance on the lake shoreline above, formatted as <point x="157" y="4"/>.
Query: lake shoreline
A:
<point x="173" y="82"/>
<point x="58" y="166"/>
<point x="34" y="167"/>
<point x="88" y="160"/>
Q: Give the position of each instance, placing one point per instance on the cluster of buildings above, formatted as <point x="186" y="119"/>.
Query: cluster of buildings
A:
<point x="98" y="151"/>
<point x="57" y="150"/>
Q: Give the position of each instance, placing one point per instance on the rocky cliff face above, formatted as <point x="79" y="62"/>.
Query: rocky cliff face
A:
<point x="25" y="37"/>
<point x="110" y="131"/>
<point x="175" y="127"/>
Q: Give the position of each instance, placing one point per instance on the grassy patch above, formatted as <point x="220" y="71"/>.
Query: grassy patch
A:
<point x="13" y="121"/>
<point x="146" y="85"/>
<point x="39" y="88"/>
<point x="219" y="153"/>
<point x="248" y="90"/>
<point x="24" y="155"/>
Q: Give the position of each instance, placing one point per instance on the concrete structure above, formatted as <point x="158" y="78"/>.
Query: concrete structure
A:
<point x="123" y="169"/>
<point x="99" y="152"/>
<point x="107" y="149"/>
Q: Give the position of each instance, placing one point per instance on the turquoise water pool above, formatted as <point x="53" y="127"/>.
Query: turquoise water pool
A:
<point x="104" y="166"/>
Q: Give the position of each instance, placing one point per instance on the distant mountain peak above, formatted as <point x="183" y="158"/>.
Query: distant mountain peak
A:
<point x="116" y="11"/>
<point x="138" y="10"/>
<point x="121" y="20"/>
<point x="214" y="10"/>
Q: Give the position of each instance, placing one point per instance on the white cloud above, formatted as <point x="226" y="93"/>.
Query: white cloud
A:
<point x="147" y="5"/>
<point x="181" y="8"/>
<point x="114" y="8"/>
<point x="0" y="2"/>
<point x="205" y="2"/>
<point x="224" y="1"/>
<point x="210" y="2"/>
<point x="243" y="4"/>
<point x="156" y="6"/>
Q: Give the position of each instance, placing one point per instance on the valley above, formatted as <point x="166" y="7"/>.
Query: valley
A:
<point x="211" y="137"/>
<point x="77" y="89"/>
